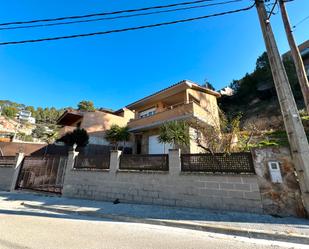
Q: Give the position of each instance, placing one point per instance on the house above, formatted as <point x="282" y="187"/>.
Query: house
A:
<point x="24" y="115"/>
<point x="185" y="100"/>
<point x="304" y="52"/>
<point x="94" y="122"/>
<point x="227" y="91"/>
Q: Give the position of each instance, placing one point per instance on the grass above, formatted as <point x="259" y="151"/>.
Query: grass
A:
<point x="306" y="118"/>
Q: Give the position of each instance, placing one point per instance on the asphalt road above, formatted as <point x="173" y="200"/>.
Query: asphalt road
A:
<point x="25" y="228"/>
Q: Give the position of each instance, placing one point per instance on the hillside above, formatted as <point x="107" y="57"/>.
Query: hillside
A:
<point x="12" y="127"/>
<point x="255" y="100"/>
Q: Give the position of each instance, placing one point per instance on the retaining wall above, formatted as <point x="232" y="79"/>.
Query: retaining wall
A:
<point x="172" y="188"/>
<point x="284" y="198"/>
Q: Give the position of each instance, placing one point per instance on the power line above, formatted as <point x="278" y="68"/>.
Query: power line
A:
<point x="272" y="9"/>
<point x="127" y="29"/>
<point x="300" y="22"/>
<point x="105" y="13"/>
<point x="119" y="17"/>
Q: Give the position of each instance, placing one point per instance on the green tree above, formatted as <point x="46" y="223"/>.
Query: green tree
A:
<point x="39" y="132"/>
<point x="209" y="85"/>
<point x="9" y="111"/>
<point x="30" y="109"/>
<point x="246" y="88"/>
<point x="117" y="134"/>
<point x="86" y="106"/>
<point x="176" y="133"/>
<point x="79" y="137"/>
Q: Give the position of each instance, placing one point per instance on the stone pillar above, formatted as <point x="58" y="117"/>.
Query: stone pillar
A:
<point x="114" y="161"/>
<point x="68" y="188"/>
<point x="174" y="161"/>
<point x="17" y="168"/>
<point x="71" y="159"/>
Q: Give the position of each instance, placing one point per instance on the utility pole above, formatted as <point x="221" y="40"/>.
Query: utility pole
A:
<point x="296" y="134"/>
<point x="300" y="68"/>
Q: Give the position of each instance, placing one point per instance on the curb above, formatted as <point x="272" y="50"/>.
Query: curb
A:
<point x="235" y="231"/>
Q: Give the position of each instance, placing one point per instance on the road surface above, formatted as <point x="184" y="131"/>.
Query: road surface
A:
<point x="22" y="228"/>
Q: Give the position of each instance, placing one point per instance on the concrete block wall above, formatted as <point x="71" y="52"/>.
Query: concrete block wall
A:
<point x="9" y="173"/>
<point x="173" y="188"/>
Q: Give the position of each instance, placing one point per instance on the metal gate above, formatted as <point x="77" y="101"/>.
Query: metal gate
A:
<point x="42" y="173"/>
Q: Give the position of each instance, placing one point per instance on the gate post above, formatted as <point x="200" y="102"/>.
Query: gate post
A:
<point x="71" y="160"/>
<point x="114" y="161"/>
<point x="174" y="161"/>
<point x="17" y="168"/>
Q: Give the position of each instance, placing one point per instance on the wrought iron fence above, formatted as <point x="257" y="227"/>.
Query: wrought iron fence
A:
<point x="235" y="163"/>
<point x="42" y="173"/>
<point x="7" y="161"/>
<point x="92" y="162"/>
<point x="157" y="162"/>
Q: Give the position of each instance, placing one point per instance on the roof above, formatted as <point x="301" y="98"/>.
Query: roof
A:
<point x="69" y="117"/>
<point x="183" y="83"/>
<point x="303" y="49"/>
<point x="107" y="110"/>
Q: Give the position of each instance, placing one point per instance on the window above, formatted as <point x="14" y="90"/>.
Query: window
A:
<point x="147" y="113"/>
<point x="193" y="99"/>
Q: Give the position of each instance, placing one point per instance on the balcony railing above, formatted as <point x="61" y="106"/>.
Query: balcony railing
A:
<point x="177" y="111"/>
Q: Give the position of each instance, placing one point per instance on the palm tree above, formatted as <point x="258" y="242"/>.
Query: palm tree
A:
<point x="176" y="133"/>
<point x="117" y="134"/>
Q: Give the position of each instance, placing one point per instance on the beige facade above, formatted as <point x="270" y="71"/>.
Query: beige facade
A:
<point x="95" y="123"/>
<point x="183" y="101"/>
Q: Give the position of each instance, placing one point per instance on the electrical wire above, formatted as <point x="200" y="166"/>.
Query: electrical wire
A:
<point x="300" y="22"/>
<point x="272" y="9"/>
<point x="119" y="17"/>
<point x="127" y="29"/>
<point x="104" y="13"/>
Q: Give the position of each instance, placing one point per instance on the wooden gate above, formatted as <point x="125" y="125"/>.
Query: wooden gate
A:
<point x="42" y="173"/>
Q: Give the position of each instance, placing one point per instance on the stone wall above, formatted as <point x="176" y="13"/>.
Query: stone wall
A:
<point x="283" y="199"/>
<point x="6" y="176"/>
<point x="172" y="188"/>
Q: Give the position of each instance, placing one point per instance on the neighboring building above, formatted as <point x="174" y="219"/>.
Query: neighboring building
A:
<point x="95" y="123"/>
<point x="304" y="52"/>
<point x="25" y="116"/>
<point x="183" y="101"/>
<point x="227" y="91"/>
<point x="6" y="136"/>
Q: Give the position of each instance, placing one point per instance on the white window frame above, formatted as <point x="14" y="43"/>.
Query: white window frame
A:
<point x="147" y="113"/>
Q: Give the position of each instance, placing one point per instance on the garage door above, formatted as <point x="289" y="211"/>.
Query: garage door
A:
<point x="158" y="148"/>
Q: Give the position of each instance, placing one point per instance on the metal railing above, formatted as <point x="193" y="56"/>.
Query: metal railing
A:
<point x="7" y="161"/>
<point x="234" y="163"/>
<point x="91" y="162"/>
<point x="42" y="173"/>
<point x="158" y="162"/>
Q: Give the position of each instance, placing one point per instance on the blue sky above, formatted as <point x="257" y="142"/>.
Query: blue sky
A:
<point x="117" y="69"/>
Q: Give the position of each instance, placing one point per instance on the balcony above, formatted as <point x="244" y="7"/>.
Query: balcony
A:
<point x="182" y="111"/>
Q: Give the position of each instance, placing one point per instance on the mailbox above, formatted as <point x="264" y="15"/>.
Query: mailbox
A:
<point x="275" y="172"/>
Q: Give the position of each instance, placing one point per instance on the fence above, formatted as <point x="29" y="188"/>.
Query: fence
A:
<point x="140" y="179"/>
<point x="92" y="162"/>
<point x="144" y="162"/>
<point x="7" y="161"/>
<point x="236" y="163"/>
